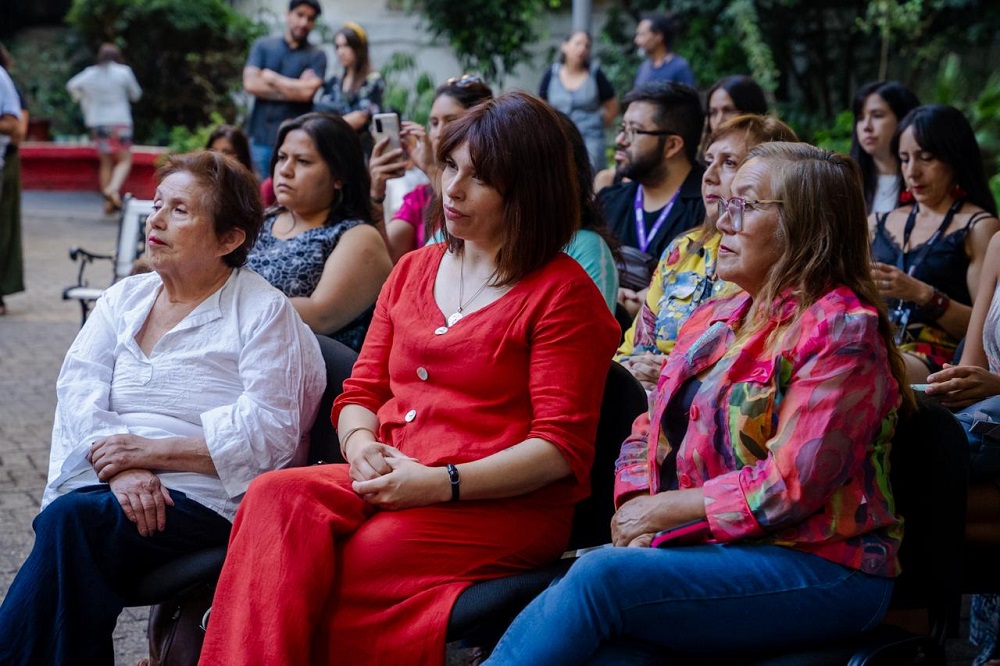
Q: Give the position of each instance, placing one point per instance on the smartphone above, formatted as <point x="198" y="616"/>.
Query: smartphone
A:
<point x="386" y="125"/>
<point x="685" y="534"/>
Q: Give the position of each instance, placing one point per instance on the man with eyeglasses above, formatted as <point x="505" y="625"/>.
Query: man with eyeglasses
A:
<point x="283" y="74"/>
<point x="655" y="149"/>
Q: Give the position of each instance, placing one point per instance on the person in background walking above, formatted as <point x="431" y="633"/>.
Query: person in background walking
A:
<point x="105" y="91"/>
<point x="13" y="127"/>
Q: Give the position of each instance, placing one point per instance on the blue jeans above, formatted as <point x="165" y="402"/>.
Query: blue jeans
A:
<point x="261" y="155"/>
<point x="626" y="605"/>
<point x="65" y="600"/>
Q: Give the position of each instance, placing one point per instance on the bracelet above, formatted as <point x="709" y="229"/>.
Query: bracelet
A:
<point x="343" y="441"/>
<point x="455" y="481"/>
<point x="935" y="308"/>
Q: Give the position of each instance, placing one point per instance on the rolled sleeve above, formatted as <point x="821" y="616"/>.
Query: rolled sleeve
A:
<point x="268" y="424"/>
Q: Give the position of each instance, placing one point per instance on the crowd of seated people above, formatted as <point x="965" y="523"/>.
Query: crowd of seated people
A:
<point x="785" y="276"/>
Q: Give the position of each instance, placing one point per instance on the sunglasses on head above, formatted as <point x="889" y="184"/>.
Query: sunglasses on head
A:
<point x="463" y="81"/>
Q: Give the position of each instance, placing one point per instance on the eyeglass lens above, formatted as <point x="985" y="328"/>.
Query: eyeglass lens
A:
<point x="735" y="209"/>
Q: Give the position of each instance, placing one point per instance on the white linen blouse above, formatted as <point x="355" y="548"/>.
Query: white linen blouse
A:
<point x="241" y="369"/>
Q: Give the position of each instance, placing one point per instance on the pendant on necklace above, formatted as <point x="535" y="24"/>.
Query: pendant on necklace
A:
<point x="453" y="319"/>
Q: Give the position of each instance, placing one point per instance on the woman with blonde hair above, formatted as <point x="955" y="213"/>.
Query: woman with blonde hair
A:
<point x="768" y="437"/>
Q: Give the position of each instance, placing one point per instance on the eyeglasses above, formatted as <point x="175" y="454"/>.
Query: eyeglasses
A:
<point x="629" y="132"/>
<point x="464" y="81"/>
<point x="737" y="205"/>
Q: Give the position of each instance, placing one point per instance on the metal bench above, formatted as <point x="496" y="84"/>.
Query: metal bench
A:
<point x="131" y="243"/>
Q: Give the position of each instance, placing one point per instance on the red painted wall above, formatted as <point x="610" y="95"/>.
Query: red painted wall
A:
<point x="51" y="166"/>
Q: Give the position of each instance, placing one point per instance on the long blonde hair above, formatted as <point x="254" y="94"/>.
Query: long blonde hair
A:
<point x="823" y="227"/>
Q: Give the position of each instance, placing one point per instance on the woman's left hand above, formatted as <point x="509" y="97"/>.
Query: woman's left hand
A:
<point x="958" y="386"/>
<point x="118" y="453"/>
<point x="894" y="283"/>
<point x="638" y="517"/>
<point x="409" y="484"/>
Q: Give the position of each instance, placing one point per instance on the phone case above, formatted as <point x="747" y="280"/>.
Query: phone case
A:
<point x="685" y="534"/>
<point x="386" y="125"/>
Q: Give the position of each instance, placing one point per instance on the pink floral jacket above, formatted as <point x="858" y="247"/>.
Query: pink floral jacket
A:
<point x="789" y="441"/>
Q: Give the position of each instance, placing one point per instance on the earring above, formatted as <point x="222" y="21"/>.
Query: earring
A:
<point x="957" y="192"/>
<point x="905" y="197"/>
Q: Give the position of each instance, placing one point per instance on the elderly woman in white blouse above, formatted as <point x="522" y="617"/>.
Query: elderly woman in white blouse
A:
<point x="184" y="385"/>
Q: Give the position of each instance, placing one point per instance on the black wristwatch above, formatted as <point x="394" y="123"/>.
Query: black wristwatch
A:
<point x="455" y="481"/>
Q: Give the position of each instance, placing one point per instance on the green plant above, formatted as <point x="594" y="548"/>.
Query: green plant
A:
<point x="838" y="137"/>
<point x="186" y="140"/>
<point x="187" y="54"/>
<point x="407" y="92"/>
<point x="490" y="37"/>
<point x="44" y="60"/>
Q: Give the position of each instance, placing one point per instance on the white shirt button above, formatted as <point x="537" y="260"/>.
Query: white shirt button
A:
<point x="410" y="415"/>
<point x="422" y="373"/>
<point x="441" y="330"/>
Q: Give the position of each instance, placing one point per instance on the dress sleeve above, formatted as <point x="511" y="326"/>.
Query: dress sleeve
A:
<point x="370" y="94"/>
<point x="411" y="210"/>
<point x="632" y="465"/>
<point x="605" y="90"/>
<point x="283" y="378"/>
<point x="83" y="397"/>
<point x="571" y="349"/>
<point x="836" y="400"/>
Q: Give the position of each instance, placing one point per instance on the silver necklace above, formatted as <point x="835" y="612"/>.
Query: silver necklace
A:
<point x="462" y="304"/>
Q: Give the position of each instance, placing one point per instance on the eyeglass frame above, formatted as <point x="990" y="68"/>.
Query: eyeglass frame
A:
<point x="464" y="81"/>
<point x="737" y="219"/>
<point x="630" y="132"/>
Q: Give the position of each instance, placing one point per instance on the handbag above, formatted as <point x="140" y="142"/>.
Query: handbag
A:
<point x="981" y="423"/>
<point x="176" y="627"/>
<point x="635" y="270"/>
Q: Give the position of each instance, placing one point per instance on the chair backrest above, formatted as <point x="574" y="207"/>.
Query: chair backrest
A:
<point x="624" y="399"/>
<point x="339" y="358"/>
<point x="131" y="234"/>
<point x="929" y="473"/>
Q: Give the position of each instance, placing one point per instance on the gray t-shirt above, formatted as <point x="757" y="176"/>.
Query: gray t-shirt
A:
<point x="275" y="54"/>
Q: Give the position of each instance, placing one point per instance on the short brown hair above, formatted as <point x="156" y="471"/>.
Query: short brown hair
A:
<point x="229" y="194"/>
<point x="518" y="147"/>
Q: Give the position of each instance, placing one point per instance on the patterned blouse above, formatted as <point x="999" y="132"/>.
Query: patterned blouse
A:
<point x="684" y="279"/>
<point x="295" y="266"/>
<point x="789" y="441"/>
<point x="367" y="98"/>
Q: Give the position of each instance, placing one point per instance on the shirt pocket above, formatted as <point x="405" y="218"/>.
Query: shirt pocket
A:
<point x="753" y="407"/>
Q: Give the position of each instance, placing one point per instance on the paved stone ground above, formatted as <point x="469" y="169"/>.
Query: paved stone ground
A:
<point x="34" y="337"/>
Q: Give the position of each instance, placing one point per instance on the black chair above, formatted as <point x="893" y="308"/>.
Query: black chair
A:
<point x="623" y="318"/>
<point x="483" y="611"/>
<point x="169" y="584"/>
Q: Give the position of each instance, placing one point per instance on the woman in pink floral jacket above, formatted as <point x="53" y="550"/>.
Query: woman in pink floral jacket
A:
<point x="768" y="439"/>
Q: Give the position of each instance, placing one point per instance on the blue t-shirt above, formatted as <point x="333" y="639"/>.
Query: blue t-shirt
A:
<point x="275" y="54"/>
<point x="675" y="69"/>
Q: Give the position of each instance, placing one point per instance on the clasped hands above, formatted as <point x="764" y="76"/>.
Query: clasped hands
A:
<point x="119" y="460"/>
<point x="391" y="480"/>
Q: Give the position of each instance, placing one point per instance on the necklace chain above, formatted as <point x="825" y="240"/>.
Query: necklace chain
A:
<point x="462" y="303"/>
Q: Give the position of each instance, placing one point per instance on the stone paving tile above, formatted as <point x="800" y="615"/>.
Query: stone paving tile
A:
<point x="34" y="337"/>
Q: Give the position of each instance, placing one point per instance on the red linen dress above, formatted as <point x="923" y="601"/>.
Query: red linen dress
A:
<point x="316" y="575"/>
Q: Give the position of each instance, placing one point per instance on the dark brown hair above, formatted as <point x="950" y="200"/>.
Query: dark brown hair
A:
<point x="518" y="147"/>
<point x="237" y="138"/>
<point x="228" y="193"/>
<point x="362" y="64"/>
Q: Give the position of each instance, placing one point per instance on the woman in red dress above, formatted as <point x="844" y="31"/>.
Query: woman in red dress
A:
<point x="468" y="423"/>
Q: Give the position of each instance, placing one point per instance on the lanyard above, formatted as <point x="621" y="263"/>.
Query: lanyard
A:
<point x="640" y="218"/>
<point x="911" y="221"/>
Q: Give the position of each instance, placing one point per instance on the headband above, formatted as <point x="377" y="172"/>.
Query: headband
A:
<point x="357" y="30"/>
